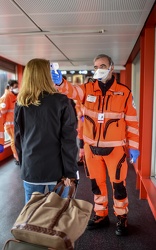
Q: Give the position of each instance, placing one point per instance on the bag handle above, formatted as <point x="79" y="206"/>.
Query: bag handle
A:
<point x="66" y="205"/>
<point x="72" y="188"/>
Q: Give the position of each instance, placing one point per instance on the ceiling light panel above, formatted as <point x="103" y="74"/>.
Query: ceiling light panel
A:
<point x="57" y="6"/>
<point x="83" y="19"/>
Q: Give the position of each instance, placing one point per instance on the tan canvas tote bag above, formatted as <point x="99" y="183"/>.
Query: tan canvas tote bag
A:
<point x="52" y="221"/>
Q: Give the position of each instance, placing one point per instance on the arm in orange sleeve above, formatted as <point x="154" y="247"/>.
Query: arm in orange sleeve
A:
<point x="5" y="107"/>
<point x="1" y="130"/>
<point x="73" y="92"/>
<point x="132" y="125"/>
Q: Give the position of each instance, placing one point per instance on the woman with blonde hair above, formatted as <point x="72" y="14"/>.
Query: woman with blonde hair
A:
<point x="45" y="131"/>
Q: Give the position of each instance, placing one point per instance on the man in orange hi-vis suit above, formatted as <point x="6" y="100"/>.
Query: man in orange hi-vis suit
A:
<point x="7" y="110"/>
<point x="110" y="127"/>
<point x="1" y="134"/>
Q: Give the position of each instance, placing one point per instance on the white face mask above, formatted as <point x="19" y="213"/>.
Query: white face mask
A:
<point x="101" y="74"/>
<point x="15" y="91"/>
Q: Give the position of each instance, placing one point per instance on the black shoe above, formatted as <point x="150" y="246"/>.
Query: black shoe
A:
<point x="121" y="226"/>
<point x="98" y="222"/>
<point x="17" y="162"/>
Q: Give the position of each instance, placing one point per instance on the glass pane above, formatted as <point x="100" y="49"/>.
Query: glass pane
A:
<point x="4" y="77"/>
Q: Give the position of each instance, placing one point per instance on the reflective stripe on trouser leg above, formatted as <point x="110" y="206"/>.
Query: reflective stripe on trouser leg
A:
<point x="120" y="206"/>
<point x="101" y="205"/>
<point x="97" y="172"/>
<point x="117" y="170"/>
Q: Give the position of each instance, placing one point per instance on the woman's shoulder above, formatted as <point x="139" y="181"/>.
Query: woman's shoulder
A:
<point x="60" y="96"/>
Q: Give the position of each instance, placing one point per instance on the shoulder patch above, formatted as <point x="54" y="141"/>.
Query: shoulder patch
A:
<point x="2" y="105"/>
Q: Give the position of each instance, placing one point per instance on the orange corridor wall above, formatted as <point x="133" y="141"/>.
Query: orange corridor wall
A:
<point x="146" y="46"/>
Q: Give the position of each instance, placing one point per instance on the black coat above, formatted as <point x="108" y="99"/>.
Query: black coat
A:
<point x="45" y="139"/>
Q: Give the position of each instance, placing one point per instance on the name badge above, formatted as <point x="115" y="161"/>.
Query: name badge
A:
<point x="101" y="117"/>
<point x="91" y="98"/>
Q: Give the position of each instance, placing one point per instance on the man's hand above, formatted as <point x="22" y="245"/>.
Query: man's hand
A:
<point x="134" y="154"/>
<point x="56" y="76"/>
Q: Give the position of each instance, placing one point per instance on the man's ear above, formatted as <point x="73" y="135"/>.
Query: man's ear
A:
<point x="112" y="68"/>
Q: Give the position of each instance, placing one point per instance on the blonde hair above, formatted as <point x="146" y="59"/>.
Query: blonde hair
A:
<point x="36" y="80"/>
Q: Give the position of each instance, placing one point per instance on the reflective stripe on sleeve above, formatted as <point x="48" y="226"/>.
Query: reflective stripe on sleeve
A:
<point x="7" y="111"/>
<point x="131" y="118"/>
<point x="1" y="135"/>
<point x="9" y="123"/>
<point x="133" y="144"/>
<point x="133" y="130"/>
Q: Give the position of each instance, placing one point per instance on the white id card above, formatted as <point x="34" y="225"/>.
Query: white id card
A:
<point x="101" y="117"/>
<point x="91" y="98"/>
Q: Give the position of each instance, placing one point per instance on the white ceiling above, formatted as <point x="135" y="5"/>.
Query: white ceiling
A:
<point x="71" y="32"/>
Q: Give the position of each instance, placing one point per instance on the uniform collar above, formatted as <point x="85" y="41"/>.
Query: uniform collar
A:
<point x="112" y="88"/>
<point x="114" y="85"/>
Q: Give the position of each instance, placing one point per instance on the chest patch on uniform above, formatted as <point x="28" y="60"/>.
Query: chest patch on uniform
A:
<point x="91" y="98"/>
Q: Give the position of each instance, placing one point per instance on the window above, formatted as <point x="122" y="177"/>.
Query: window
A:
<point x="4" y="77"/>
<point x="136" y="82"/>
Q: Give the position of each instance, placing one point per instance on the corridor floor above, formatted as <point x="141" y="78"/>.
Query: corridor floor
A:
<point x="142" y="225"/>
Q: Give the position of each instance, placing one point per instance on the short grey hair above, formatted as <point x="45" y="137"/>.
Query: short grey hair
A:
<point x="104" y="56"/>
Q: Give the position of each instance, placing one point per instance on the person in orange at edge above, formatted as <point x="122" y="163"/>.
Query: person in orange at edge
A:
<point x="5" y="92"/>
<point x="1" y="134"/>
<point x="110" y="128"/>
<point x="80" y="117"/>
<point x="7" y="110"/>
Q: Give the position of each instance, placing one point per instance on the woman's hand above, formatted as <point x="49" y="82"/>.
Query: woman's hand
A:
<point x="67" y="182"/>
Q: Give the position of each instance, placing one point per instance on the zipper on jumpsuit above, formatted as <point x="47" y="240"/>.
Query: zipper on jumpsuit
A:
<point x="103" y="100"/>
<point x="108" y="122"/>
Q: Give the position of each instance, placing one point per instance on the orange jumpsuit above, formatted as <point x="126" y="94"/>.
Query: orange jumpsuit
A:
<point x="110" y="126"/>
<point x="7" y="110"/>
<point x="1" y="130"/>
